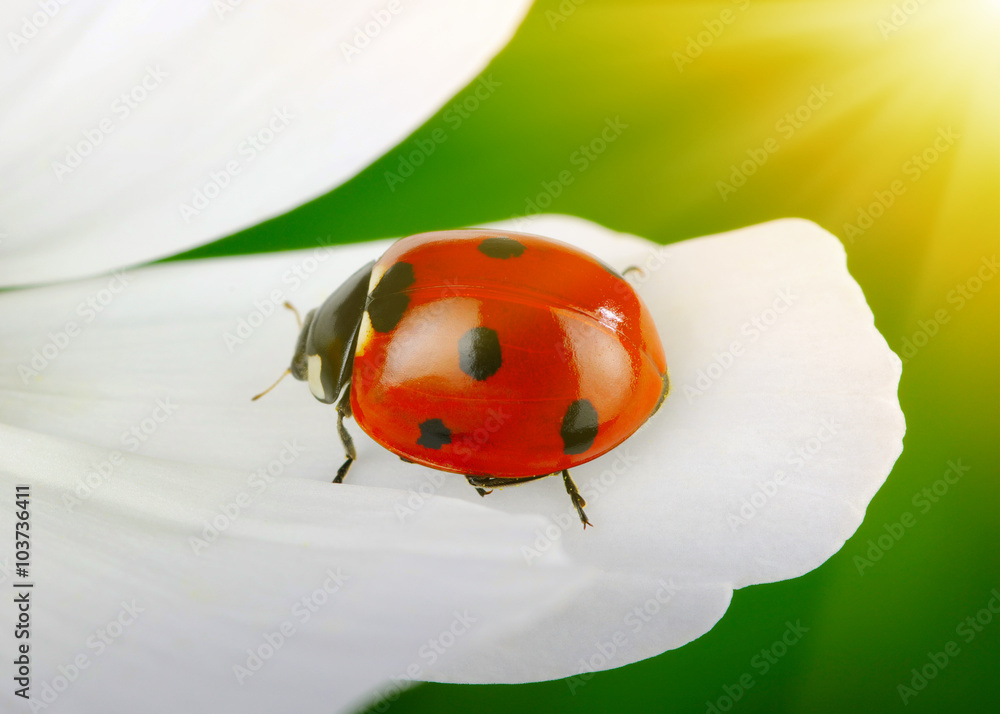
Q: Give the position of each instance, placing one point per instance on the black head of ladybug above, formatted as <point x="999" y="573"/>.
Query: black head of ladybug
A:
<point x="324" y="353"/>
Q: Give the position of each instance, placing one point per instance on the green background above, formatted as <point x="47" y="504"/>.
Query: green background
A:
<point x="891" y="78"/>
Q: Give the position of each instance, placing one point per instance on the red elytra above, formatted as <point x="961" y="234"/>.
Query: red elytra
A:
<point x="501" y="356"/>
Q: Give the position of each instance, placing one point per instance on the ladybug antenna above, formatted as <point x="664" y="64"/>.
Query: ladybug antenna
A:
<point x="283" y="375"/>
<point x="298" y="317"/>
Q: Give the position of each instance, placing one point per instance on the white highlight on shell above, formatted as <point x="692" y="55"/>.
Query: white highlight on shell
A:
<point x="365" y="333"/>
<point x="313" y="371"/>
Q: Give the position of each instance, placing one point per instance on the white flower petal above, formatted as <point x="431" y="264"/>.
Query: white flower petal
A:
<point x="117" y="114"/>
<point x="784" y="405"/>
<point x="328" y="589"/>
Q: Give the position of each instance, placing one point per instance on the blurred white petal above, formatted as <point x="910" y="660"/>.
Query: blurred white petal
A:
<point x="117" y="114"/>
<point x="782" y="423"/>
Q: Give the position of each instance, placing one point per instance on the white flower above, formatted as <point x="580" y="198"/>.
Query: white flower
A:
<point x="188" y="553"/>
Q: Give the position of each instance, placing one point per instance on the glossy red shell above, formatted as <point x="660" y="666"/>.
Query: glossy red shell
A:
<point x="568" y="327"/>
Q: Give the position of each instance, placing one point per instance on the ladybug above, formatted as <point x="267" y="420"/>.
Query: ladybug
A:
<point x="505" y="357"/>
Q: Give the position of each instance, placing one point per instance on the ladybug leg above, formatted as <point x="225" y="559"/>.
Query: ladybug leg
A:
<point x="578" y="500"/>
<point x="492" y="482"/>
<point x="482" y="483"/>
<point x="473" y="481"/>
<point x="344" y="410"/>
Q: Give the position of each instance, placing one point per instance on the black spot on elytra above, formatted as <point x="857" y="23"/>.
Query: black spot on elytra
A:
<point x="434" y="434"/>
<point x="579" y="427"/>
<point x="387" y="302"/>
<point x="479" y="353"/>
<point x="501" y="247"/>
